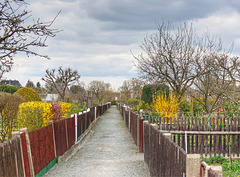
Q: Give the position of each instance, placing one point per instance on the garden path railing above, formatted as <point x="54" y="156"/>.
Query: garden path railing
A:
<point x="34" y="153"/>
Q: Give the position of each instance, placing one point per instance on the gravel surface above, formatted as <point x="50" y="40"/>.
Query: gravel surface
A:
<point x="107" y="151"/>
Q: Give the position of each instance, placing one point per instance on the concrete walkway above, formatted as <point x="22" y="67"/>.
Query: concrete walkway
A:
<point x="108" y="151"/>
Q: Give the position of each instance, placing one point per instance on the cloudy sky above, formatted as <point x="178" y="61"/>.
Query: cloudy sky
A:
<point x="98" y="35"/>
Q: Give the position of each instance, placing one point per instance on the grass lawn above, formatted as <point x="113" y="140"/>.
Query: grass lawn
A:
<point x="229" y="169"/>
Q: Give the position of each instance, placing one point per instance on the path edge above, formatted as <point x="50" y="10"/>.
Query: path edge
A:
<point x="77" y="146"/>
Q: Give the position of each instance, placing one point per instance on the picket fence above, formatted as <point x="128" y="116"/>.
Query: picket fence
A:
<point x="34" y="153"/>
<point x="166" y="156"/>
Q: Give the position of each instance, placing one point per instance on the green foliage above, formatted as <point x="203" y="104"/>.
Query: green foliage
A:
<point x="231" y="108"/>
<point x="197" y="108"/>
<point x="8" y="88"/>
<point x="28" y="94"/>
<point x="30" y="84"/>
<point x="75" y="108"/>
<point x="185" y="106"/>
<point x="133" y="102"/>
<point x="144" y="105"/>
<point x="215" y="160"/>
<point x="114" y="102"/>
<point x="149" y="90"/>
<point x="233" y="167"/>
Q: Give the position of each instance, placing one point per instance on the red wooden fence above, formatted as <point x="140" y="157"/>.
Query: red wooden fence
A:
<point x="42" y="147"/>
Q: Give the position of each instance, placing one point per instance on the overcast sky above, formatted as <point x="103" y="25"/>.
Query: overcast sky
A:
<point x="98" y="35"/>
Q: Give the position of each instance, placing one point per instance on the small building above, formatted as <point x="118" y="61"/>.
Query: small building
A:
<point x="51" y="98"/>
<point x="11" y="83"/>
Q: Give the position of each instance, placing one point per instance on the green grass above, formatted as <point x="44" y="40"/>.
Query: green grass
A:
<point x="229" y="169"/>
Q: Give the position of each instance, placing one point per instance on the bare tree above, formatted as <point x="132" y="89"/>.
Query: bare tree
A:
<point x="99" y="89"/>
<point x="19" y="34"/>
<point x="78" y="92"/>
<point x="169" y="56"/>
<point x="216" y="84"/>
<point x="61" y="79"/>
<point x="132" y="86"/>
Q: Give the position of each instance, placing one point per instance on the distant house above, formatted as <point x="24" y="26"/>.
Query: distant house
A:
<point x="11" y="83"/>
<point x="51" y="97"/>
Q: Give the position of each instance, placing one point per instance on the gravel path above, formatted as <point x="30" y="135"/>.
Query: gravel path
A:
<point x="108" y="151"/>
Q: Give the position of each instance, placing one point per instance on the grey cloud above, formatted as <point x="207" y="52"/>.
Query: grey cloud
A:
<point x="141" y="15"/>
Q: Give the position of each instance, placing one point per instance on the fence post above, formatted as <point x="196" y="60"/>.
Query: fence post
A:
<point x="144" y="122"/>
<point x="15" y="133"/>
<point x="24" y="130"/>
<point x="75" y="122"/>
<point x="95" y="113"/>
<point x="193" y="165"/>
<point x="217" y="169"/>
<point x="168" y="135"/>
<point x="137" y="129"/>
<point x="129" y="120"/>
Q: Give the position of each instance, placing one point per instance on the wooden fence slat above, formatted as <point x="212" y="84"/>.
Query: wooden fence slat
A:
<point x="1" y="160"/>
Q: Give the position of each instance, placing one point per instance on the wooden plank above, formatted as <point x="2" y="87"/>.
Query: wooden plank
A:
<point x="205" y="146"/>
<point x="234" y="144"/>
<point x="203" y="124"/>
<point x="174" y="123"/>
<point x="160" y="123"/>
<point x="201" y="144"/>
<point x="188" y="144"/>
<point x="167" y="123"/>
<point x="238" y="140"/>
<point x="203" y="132"/>
<point x="170" y="123"/>
<point x="215" y="137"/>
<point x="1" y="160"/>
<point x="164" y="128"/>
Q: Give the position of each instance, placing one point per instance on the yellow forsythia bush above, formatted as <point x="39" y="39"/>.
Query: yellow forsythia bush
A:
<point x="66" y="108"/>
<point x="34" y="115"/>
<point x="166" y="106"/>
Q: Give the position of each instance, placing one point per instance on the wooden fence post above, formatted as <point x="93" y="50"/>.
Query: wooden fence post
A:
<point x="24" y="130"/>
<point x="75" y="125"/>
<point x="137" y="129"/>
<point x="129" y="120"/>
<point x="95" y="113"/>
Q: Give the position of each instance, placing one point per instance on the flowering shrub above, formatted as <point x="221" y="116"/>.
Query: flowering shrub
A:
<point x="30" y="116"/>
<point x="28" y="94"/>
<point x="34" y="115"/>
<point x="66" y="107"/>
<point x="56" y="111"/>
<point x="144" y="105"/>
<point x="166" y="106"/>
<point x="47" y="113"/>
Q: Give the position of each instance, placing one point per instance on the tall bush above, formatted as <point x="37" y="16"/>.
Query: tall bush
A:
<point x="9" y="105"/>
<point x="34" y="115"/>
<point x="8" y="88"/>
<point x="166" y="105"/>
<point x="149" y="90"/>
<point x="28" y="94"/>
<point x="133" y="102"/>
